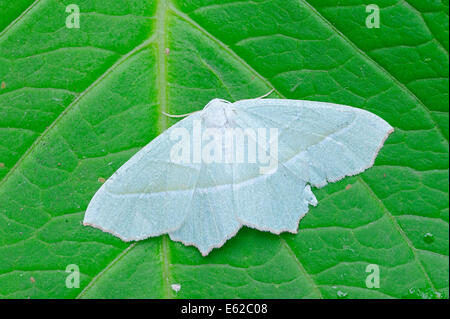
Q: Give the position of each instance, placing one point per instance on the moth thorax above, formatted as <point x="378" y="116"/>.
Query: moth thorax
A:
<point x="218" y="113"/>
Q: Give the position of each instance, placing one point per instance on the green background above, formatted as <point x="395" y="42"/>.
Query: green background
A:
<point x="75" y="104"/>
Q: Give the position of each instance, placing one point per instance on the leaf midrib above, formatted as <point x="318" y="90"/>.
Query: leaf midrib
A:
<point x="161" y="39"/>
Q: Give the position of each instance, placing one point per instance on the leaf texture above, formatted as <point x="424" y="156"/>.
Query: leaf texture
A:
<point x="75" y="104"/>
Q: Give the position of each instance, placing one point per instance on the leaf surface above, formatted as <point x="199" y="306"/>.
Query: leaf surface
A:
<point x="75" y="104"/>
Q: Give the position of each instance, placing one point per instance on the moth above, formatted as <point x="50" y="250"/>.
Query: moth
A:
<point x="251" y="162"/>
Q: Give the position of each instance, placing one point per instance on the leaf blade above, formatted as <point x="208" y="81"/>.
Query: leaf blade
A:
<point x="385" y="212"/>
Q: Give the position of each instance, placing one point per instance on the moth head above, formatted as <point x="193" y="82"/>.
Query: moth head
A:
<point x="218" y="113"/>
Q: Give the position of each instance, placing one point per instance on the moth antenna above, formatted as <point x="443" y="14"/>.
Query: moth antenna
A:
<point x="177" y="115"/>
<point x="266" y="95"/>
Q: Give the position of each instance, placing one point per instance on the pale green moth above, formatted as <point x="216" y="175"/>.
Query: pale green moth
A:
<point x="205" y="203"/>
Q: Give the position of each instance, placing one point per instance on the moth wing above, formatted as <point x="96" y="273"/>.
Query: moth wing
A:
<point x="212" y="219"/>
<point x="317" y="143"/>
<point x="149" y="195"/>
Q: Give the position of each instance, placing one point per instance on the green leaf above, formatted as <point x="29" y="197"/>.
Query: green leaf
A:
<point x="75" y="104"/>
